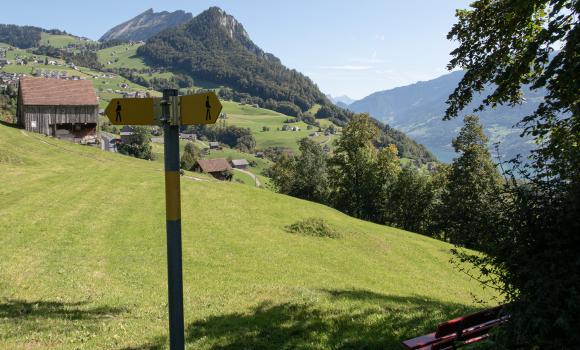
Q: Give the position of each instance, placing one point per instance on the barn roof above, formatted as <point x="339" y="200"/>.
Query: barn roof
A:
<point x="239" y="162"/>
<point x="213" y="165"/>
<point x="57" y="92"/>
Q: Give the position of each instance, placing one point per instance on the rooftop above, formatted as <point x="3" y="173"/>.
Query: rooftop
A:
<point x="58" y="92"/>
<point x="238" y="162"/>
<point x="213" y="165"/>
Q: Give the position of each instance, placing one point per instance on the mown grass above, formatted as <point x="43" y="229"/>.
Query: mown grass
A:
<point x="83" y="265"/>
<point x="256" y="118"/>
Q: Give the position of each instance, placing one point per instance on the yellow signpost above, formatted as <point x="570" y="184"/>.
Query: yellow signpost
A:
<point x="203" y="108"/>
<point x="134" y="111"/>
<point x="171" y="111"/>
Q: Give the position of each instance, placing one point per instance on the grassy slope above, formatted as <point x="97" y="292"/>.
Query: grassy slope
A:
<point x="59" y="41"/>
<point x="121" y="56"/>
<point x="256" y="118"/>
<point x="82" y="243"/>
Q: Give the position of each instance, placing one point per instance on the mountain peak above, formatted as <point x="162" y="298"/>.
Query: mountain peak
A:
<point x="146" y="25"/>
<point x="217" y="17"/>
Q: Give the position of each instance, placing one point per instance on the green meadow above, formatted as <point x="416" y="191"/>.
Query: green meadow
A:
<point x="83" y="262"/>
<point x="255" y="119"/>
<point x="59" y="41"/>
<point x="121" y="56"/>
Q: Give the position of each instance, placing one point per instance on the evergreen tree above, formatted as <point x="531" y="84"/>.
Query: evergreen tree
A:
<point x="471" y="196"/>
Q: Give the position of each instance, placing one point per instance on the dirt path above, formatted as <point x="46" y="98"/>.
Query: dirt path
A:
<point x="256" y="180"/>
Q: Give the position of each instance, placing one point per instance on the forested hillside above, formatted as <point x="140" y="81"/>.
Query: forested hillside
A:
<point x="24" y="37"/>
<point x="215" y="47"/>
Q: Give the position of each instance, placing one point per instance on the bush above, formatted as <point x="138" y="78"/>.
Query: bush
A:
<point x="140" y="147"/>
<point x="315" y="227"/>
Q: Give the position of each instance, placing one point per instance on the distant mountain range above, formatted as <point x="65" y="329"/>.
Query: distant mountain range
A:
<point x="418" y="110"/>
<point x="146" y="25"/>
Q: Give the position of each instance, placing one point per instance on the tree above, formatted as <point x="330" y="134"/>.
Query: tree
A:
<point x="190" y="155"/>
<point x="533" y="258"/>
<point x="246" y="143"/>
<point x="353" y="169"/>
<point x="140" y="146"/>
<point x="410" y="201"/>
<point x="305" y="175"/>
<point x="469" y="201"/>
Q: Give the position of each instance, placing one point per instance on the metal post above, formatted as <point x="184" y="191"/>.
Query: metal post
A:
<point x="173" y="216"/>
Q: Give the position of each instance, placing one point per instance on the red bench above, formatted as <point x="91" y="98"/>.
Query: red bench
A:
<point x="459" y="331"/>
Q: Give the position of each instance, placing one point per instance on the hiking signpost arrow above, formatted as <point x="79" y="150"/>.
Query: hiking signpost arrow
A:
<point x="134" y="111"/>
<point x="170" y="112"/>
<point x="203" y="108"/>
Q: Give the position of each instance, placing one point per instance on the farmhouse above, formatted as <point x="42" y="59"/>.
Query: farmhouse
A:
<point x="61" y="108"/>
<point x="188" y="136"/>
<point x="218" y="168"/>
<point x="240" y="164"/>
<point x="214" y="145"/>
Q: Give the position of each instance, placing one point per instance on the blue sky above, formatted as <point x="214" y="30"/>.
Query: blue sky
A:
<point x="346" y="47"/>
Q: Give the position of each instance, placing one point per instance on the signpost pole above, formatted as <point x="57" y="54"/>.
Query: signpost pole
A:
<point x="173" y="216"/>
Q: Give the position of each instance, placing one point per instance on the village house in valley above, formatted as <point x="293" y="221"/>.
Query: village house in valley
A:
<point x="127" y="134"/>
<point x="65" y="109"/>
<point x="240" y="164"/>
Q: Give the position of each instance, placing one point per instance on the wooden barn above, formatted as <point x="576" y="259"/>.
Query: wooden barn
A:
<point x="66" y="109"/>
<point x="218" y="168"/>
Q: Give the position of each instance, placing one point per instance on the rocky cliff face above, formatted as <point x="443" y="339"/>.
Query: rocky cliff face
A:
<point x="146" y="25"/>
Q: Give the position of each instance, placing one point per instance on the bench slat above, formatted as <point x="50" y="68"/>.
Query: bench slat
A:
<point x="459" y="331"/>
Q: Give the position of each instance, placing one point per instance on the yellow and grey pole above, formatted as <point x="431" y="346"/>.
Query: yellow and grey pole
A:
<point x="170" y="118"/>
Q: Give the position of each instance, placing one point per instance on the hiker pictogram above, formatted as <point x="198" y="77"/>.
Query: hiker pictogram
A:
<point x="207" y="109"/>
<point x="118" y="112"/>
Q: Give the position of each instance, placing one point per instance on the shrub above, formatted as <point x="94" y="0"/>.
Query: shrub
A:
<point x="315" y="227"/>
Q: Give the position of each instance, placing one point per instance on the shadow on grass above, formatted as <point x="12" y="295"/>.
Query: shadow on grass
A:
<point x="11" y="125"/>
<point x="349" y="319"/>
<point x="30" y="310"/>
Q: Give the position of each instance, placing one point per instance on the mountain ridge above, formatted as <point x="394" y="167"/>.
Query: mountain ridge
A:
<point x="417" y="109"/>
<point x="145" y="25"/>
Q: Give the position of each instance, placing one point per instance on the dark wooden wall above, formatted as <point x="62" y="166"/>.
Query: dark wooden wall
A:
<point x="45" y="116"/>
